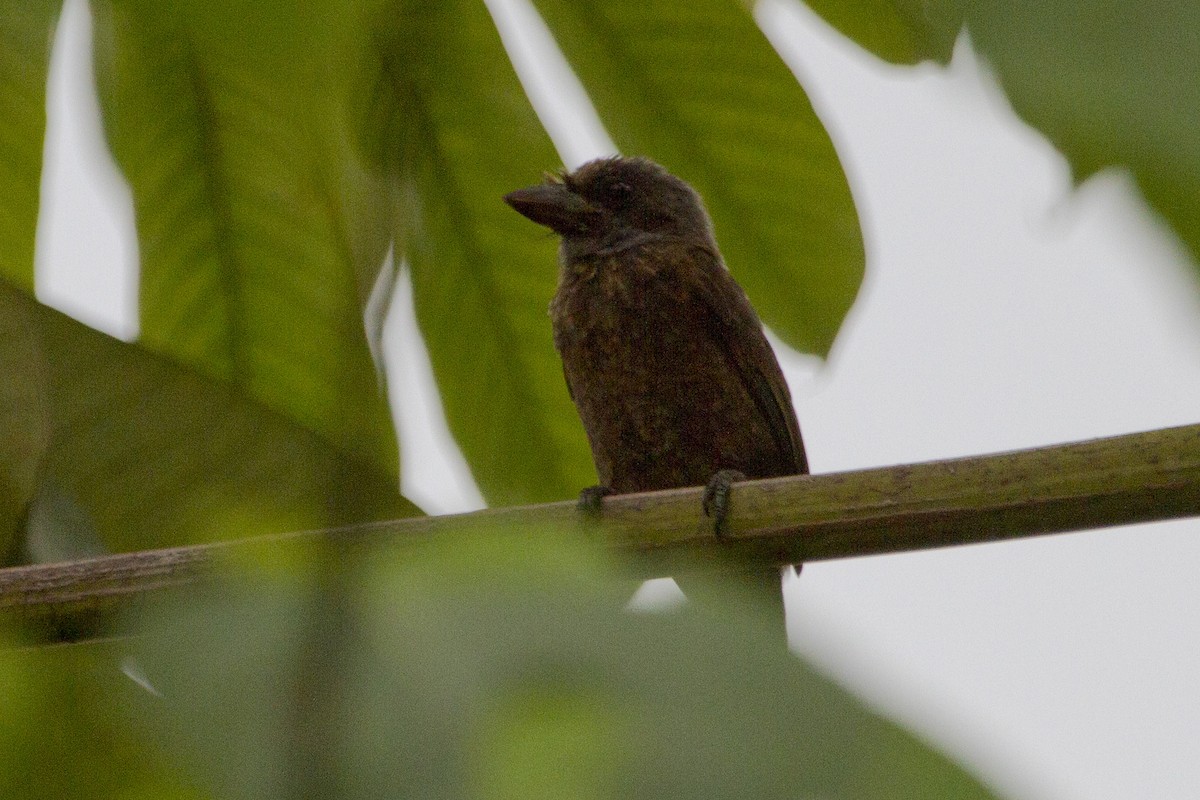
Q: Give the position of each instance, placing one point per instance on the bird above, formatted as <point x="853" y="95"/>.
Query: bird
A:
<point x="664" y="357"/>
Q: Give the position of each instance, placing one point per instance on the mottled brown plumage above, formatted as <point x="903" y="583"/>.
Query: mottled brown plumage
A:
<point x="664" y="357"/>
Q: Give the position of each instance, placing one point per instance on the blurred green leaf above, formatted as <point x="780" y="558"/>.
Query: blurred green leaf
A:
<point x="697" y="87"/>
<point x="523" y="679"/>
<point x="24" y="416"/>
<point x="157" y="454"/>
<point x="25" y="34"/>
<point x="65" y="734"/>
<point x="454" y="127"/>
<point x="260" y="231"/>
<point x="899" y="31"/>
<point x="1110" y="83"/>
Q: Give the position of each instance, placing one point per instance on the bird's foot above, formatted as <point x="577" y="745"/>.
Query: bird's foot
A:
<point x="716" y="497"/>
<point x="591" y="500"/>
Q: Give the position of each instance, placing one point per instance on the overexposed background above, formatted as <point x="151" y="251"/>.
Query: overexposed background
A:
<point x="1001" y="309"/>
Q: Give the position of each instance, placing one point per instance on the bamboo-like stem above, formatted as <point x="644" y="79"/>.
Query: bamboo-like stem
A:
<point x="1140" y="477"/>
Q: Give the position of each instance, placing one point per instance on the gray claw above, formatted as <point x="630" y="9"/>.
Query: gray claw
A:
<point x="591" y="500"/>
<point x="716" y="497"/>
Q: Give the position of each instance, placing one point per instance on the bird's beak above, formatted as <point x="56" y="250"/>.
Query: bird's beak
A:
<point x="556" y="207"/>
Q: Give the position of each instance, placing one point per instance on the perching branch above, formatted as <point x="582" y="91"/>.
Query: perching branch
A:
<point x="1124" y="479"/>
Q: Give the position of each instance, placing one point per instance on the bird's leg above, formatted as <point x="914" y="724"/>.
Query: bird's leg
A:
<point x="591" y="500"/>
<point x="716" y="497"/>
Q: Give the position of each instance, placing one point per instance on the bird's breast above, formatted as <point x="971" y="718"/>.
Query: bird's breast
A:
<point x="651" y="379"/>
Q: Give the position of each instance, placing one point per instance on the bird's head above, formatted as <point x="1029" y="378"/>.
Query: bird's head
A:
<point x="613" y="200"/>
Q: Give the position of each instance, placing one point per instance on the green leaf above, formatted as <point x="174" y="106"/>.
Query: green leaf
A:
<point x="457" y="132"/>
<point x="155" y="454"/>
<point x="899" y="31"/>
<point x="24" y="416"/>
<point x="1110" y="83"/>
<point x="697" y="87"/>
<point x="64" y="732"/>
<point x="25" y="34"/>
<point x="434" y="678"/>
<point x="261" y="232"/>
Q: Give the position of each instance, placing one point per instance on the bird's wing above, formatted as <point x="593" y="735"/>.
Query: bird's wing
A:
<point x="741" y="339"/>
<point x="567" y="380"/>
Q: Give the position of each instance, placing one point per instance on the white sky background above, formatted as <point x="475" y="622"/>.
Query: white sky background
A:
<point x="1000" y="311"/>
